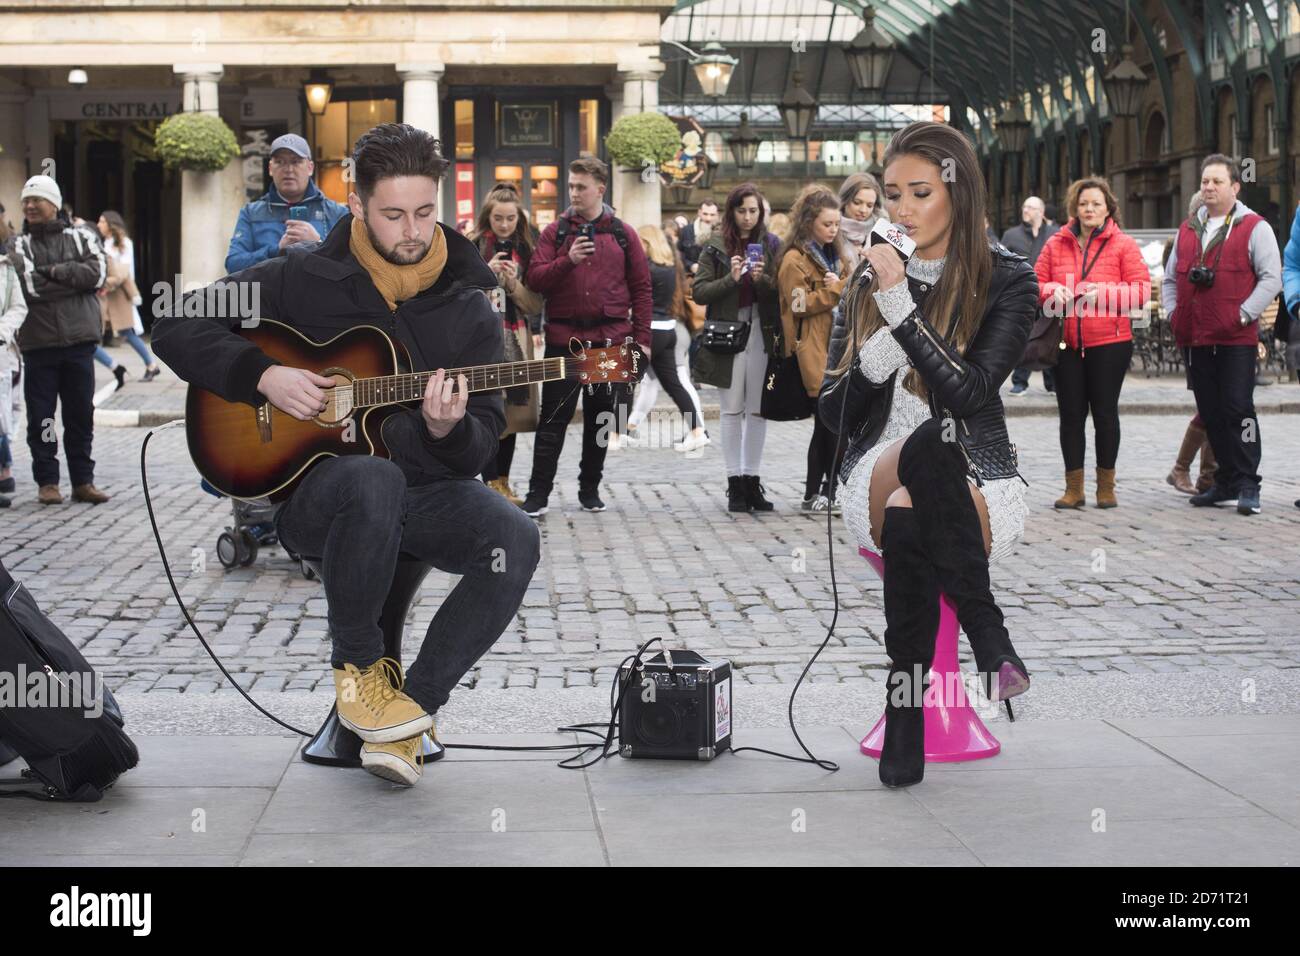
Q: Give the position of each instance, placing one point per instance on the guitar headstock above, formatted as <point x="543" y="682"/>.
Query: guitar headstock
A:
<point x="599" y="365"/>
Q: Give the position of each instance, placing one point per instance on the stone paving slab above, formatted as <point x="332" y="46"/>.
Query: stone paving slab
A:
<point x="1061" y="793"/>
<point x="1152" y="588"/>
<point x="163" y="399"/>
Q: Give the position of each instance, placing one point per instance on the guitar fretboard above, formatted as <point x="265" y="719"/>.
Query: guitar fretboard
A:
<point x="387" y="389"/>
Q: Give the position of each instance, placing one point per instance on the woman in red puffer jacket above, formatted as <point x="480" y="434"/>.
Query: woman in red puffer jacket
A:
<point x="1092" y="275"/>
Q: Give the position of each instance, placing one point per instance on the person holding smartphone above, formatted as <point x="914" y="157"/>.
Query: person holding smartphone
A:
<point x="811" y="274"/>
<point x="292" y="210"/>
<point x="505" y="240"/>
<point x="591" y="269"/>
<point x="735" y="285"/>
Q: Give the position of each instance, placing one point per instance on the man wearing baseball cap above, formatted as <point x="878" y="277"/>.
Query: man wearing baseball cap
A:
<point x="293" y="209"/>
<point x="60" y="266"/>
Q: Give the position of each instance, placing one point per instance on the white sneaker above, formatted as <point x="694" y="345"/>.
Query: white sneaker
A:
<point x="691" y="442"/>
<point x="817" y="503"/>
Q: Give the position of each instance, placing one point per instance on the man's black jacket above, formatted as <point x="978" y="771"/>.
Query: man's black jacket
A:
<point x="1021" y="240"/>
<point x="320" y="289"/>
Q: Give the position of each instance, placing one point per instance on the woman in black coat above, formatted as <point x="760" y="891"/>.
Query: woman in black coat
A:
<point x="929" y="475"/>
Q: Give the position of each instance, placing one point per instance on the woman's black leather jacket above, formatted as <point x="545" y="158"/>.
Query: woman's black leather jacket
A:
<point x="963" y="386"/>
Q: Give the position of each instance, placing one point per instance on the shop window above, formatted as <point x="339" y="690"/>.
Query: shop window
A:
<point x="464" y="129"/>
<point x="544" y="195"/>
<point x="588" y="127"/>
<point x="334" y="135"/>
<point x="509" y="174"/>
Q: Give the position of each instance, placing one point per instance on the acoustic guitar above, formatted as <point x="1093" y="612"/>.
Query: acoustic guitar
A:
<point x="251" y="453"/>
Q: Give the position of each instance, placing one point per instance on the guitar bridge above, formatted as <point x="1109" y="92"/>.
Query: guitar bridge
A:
<point x="263" y="414"/>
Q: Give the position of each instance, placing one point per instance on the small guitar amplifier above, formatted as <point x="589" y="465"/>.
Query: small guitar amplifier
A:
<point x="678" y="707"/>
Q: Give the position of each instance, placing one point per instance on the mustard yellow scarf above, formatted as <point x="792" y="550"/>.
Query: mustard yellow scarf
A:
<point x="398" y="283"/>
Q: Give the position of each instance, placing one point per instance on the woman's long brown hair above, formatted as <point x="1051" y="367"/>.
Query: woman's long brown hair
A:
<point x="808" y="205"/>
<point x="504" y="192"/>
<point x="116" y="227"/>
<point x="955" y="306"/>
<point x="731" y="236"/>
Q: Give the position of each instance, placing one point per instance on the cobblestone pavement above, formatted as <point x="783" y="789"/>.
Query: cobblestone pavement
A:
<point x="1152" y="587"/>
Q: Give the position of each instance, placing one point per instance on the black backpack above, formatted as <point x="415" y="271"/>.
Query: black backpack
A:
<point x="72" y="739"/>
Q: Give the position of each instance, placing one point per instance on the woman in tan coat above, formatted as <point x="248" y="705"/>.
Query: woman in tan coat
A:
<point x="505" y="240"/>
<point x="810" y="278"/>
<point x="119" y="296"/>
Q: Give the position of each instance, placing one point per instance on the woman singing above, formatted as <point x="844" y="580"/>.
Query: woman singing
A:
<point x="930" y="477"/>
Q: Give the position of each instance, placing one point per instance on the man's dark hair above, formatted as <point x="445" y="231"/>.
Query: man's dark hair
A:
<point x="395" y="149"/>
<point x="593" y="167"/>
<point x="1219" y="159"/>
<point x="708" y="202"/>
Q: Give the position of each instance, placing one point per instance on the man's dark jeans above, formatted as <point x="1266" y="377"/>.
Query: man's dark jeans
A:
<point x="1223" y="381"/>
<point x="1021" y="377"/>
<point x="356" y="513"/>
<point x="64" y="373"/>
<point x="604" y="411"/>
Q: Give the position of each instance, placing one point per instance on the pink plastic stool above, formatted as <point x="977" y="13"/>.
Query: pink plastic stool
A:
<point x="953" y="731"/>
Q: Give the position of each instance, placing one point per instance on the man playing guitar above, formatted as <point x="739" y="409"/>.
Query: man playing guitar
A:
<point x="393" y="266"/>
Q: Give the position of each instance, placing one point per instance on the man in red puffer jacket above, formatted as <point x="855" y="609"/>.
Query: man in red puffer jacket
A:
<point x="597" y="289"/>
<point x="1092" y="275"/>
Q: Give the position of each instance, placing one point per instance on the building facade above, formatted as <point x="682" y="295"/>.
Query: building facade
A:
<point x="514" y="90"/>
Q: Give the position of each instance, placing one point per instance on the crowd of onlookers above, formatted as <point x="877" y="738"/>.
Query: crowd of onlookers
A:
<point x="768" y="286"/>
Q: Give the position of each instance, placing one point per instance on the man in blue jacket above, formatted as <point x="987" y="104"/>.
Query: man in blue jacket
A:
<point x="266" y="227"/>
<point x="1291" y="288"/>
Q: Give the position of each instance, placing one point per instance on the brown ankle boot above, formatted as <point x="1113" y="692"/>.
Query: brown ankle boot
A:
<point x="1208" y="467"/>
<point x="1180" y="476"/>
<point x="89" y="494"/>
<point x="1073" y="497"/>
<point x="1106" y="488"/>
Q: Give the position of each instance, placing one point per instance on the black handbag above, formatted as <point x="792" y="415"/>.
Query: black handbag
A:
<point x="784" y="398"/>
<point x="725" y="337"/>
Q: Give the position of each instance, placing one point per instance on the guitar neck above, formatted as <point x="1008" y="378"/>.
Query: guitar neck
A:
<point x="388" y="389"/>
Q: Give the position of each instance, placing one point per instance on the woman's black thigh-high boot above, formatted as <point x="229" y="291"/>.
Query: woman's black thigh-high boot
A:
<point x="911" y="622"/>
<point x="934" y="472"/>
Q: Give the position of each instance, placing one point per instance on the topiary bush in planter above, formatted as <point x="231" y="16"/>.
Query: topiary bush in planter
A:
<point x="640" y="138"/>
<point x="195" y="141"/>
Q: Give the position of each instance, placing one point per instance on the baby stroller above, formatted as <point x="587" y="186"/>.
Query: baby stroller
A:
<point x="253" y="528"/>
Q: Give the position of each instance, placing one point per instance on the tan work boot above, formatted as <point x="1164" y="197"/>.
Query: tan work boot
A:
<point x="1073" y="497"/>
<point x="502" y="487"/>
<point x="401" y="761"/>
<point x="1106" y="488"/>
<point x="89" y="494"/>
<point x="49" y="495"/>
<point x="1180" y="476"/>
<point x="372" y="705"/>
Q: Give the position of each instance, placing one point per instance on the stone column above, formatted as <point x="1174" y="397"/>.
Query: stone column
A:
<point x="203" y="198"/>
<point x="636" y="200"/>
<point x="199" y="86"/>
<point x="420" y="106"/>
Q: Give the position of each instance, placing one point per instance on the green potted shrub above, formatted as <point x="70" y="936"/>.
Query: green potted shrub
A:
<point x="195" y="141"/>
<point x="638" y="139"/>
